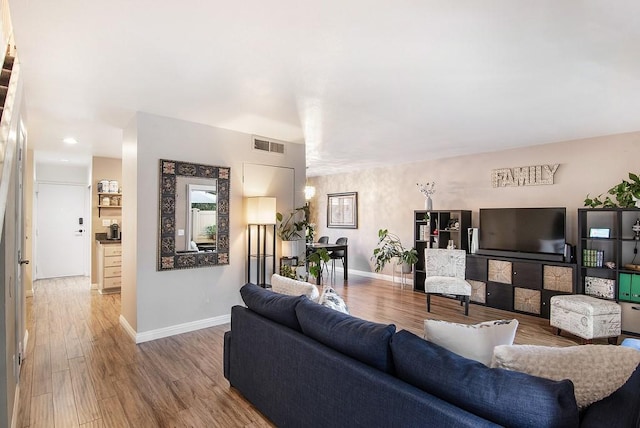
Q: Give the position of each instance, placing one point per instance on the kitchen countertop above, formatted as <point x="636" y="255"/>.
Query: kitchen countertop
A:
<point x="108" y="241"/>
<point x="101" y="238"/>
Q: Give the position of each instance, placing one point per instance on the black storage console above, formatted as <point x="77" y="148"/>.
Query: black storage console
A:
<point x="518" y="285"/>
<point x="499" y="281"/>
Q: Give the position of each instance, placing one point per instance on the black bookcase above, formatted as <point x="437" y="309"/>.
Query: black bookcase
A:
<point x="609" y="260"/>
<point x="434" y="229"/>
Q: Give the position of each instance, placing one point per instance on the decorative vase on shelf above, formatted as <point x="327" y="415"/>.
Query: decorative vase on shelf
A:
<point x="428" y="204"/>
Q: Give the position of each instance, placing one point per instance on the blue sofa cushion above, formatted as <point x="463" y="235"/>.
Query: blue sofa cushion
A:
<point x="277" y="307"/>
<point x="365" y="341"/>
<point x="505" y="397"/>
<point x="620" y="409"/>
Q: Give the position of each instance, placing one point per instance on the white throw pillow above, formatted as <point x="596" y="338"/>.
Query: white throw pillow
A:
<point x="331" y="299"/>
<point x="595" y="370"/>
<point x="283" y="285"/>
<point x="476" y="341"/>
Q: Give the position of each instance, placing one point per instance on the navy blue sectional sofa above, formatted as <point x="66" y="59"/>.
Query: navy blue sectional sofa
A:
<point x="304" y="365"/>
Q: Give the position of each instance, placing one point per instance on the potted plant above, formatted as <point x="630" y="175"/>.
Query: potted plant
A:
<point x="390" y="247"/>
<point x="288" y="271"/>
<point x="315" y="260"/>
<point x="292" y="227"/>
<point x="626" y="193"/>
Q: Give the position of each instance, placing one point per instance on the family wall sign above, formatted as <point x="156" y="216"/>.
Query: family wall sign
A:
<point x="535" y="175"/>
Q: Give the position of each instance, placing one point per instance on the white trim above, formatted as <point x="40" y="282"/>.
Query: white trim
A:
<point x="16" y="405"/>
<point x="173" y="330"/>
<point x="127" y="328"/>
<point x="367" y="274"/>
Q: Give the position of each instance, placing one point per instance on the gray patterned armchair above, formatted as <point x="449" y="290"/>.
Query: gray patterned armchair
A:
<point x="445" y="273"/>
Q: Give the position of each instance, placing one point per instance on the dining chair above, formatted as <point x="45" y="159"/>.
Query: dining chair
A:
<point x="323" y="240"/>
<point x="445" y="273"/>
<point x="337" y="255"/>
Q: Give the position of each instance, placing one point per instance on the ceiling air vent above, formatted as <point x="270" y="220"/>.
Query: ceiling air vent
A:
<point x="261" y="145"/>
<point x="268" y="145"/>
<point x="276" y="147"/>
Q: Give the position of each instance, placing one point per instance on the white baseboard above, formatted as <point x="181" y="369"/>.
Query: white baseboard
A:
<point x="16" y="405"/>
<point x="367" y="274"/>
<point x="174" y="329"/>
<point x="127" y="328"/>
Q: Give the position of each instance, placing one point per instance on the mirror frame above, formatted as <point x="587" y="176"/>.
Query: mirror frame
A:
<point x="168" y="258"/>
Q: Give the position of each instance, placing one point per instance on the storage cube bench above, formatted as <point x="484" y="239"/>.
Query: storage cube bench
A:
<point x="586" y="317"/>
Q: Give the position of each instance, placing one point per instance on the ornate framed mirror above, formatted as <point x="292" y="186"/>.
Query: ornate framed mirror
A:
<point x="193" y="215"/>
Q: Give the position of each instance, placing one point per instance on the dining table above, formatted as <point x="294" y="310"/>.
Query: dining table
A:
<point x="330" y="247"/>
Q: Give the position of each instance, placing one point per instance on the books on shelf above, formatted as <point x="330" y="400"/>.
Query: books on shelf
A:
<point x="423" y="232"/>
<point x="592" y="258"/>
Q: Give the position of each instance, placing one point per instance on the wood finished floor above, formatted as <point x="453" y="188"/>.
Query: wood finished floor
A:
<point x="83" y="370"/>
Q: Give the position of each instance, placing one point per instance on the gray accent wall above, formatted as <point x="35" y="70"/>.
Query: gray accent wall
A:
<point x="153" y="300"/>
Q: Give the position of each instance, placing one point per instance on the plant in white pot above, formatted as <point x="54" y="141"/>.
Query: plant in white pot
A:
<point x="390" y="247"/>
<point x="291" y="228"/>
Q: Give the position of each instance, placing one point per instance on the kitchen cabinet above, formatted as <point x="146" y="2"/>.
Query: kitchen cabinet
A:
<point x="109" y="267"/>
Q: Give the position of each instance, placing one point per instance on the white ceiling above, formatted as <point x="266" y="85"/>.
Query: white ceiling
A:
<point x="362" y="82"/>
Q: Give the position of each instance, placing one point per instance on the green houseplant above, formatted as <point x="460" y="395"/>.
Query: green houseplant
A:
<point x="626" y="194"/>
<point x="390" y="247"/>
<point x="315" y="259"/>
<point x="293" y="226"/>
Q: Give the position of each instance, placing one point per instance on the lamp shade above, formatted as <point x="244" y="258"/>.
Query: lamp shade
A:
<point x="309" y="192"/>
<point x="261" y="210"/>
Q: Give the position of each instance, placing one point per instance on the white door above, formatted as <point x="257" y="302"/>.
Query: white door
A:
<point x="61" y="221"/>
<point x="19" y="240"/>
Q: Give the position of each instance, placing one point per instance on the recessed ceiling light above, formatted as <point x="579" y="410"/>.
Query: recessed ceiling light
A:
<point x="70" y="140"/>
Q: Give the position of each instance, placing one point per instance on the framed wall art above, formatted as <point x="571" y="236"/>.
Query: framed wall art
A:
<point x="342" y="210"/>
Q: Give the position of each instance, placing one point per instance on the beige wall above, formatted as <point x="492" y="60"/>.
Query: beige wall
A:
<point x="387" y="196"/>
<point x="102" y="169"/>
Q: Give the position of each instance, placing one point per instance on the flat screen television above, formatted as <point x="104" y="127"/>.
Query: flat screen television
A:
<point x="529" y="233"/>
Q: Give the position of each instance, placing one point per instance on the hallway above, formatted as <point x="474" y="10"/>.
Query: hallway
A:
<point x="82" y="370"/>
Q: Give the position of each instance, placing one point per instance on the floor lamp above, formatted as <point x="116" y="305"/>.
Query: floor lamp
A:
<point x="261" y="219"/>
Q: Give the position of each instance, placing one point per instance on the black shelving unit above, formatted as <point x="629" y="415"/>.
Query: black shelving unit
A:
<point x="619" y="268"/>
<point x="434" y="229"/>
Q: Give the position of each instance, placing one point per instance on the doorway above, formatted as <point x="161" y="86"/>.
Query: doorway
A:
<point x="61" y="244"/>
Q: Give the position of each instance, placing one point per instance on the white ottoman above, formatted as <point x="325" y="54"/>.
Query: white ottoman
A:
<point x="586" y="317"/>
